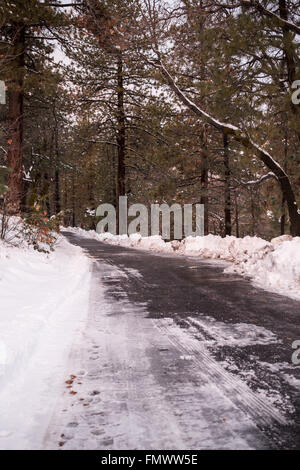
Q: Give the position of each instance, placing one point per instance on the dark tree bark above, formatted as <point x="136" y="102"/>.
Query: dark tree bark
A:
<point x="288" y="45"/>
<point x="73" y="201"/>
<point x="15" y="117"/>
<point x="204" y="178"/>
<point x="56" y="192"/>
<point x="290" y="55"/>
<point x="285" y="167"/>
<point x="227" y="194"/>
<point x="57" y="205"/>
<point x="237" y="222"/>
<point x="282" y="218"/>
<point x="121" y="136"/>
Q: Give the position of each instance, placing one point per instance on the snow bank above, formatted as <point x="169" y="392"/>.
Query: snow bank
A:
<point x="43" y="300"/>
<point x="272" y="265"/>
<point x="277" y="269"/>
<point x="229" y="248"/>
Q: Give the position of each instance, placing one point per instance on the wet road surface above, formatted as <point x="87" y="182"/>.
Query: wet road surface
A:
<point x="195" y="358"/>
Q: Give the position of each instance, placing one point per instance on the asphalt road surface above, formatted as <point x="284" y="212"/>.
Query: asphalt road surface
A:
<point x="178" y="355"/>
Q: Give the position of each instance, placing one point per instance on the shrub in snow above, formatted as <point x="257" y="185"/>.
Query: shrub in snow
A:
<point x="35" y="229"/>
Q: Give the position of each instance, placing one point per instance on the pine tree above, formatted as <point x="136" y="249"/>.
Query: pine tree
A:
<point x="23" y="25"/>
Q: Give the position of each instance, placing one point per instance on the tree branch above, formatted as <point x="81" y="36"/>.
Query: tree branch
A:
<point x="260" y="180"/>
<point x="239" y="136"/>
<point x="280" y="21"/>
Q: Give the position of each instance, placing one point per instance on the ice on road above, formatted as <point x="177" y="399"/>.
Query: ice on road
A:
<point x="135" y="382"/>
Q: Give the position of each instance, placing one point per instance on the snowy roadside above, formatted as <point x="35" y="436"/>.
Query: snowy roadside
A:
<point x="274" y="265"/>
<point x="44" y="301"/>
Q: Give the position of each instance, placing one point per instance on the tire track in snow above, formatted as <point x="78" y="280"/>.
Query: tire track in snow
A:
<point x="146" y="399"/>
<point x="263" y="413"/>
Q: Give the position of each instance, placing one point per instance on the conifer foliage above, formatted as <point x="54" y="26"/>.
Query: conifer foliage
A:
<point x="186" y="101"/>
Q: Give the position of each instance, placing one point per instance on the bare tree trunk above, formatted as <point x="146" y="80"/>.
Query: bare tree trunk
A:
<point x="56" y="205"/>
<point x="288" y="47"/>
<point x="15" y="116"/>
<point x="121" y="137"/>
<point x="237" y="222"/>
<point x="253" y="218"/>
<point x="227" y="186"/>
<point x="282" y="218"/>
<point x="285" y="167"/>
<point x="73" y="201"/>
<point x="204" y="178"/>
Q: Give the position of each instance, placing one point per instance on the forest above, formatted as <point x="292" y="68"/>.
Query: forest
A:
<point x="179" y="101"/>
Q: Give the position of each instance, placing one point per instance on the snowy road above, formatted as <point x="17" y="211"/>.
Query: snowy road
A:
<point x="177" y="355"/>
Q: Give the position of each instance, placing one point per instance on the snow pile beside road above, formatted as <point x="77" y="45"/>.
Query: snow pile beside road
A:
<point x="278" y="269"/>
<point x="272" y="265"/>
<point x="229" y="248"/>
<point x="43" y="299"/>
<point x="154" y="243"/>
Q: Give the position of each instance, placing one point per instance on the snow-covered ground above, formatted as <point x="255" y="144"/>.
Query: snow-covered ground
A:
<point x="272" y="265"/>
<point x="82" y="367"/>
<point x="41" y="308"/>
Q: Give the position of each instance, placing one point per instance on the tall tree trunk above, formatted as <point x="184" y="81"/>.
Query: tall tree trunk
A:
<point x="253" y="218"/>
<point x="282" y="218"/>
<point x="73" y="201"/>
<point x="56" y="192"/>
<point x="57" y="205"/>
<point x="290" y="54"/>
<point x="204" y="177"/>
<point x="121" y="136"/>
<point x="46" y="188"/>
<point x="237" y="222"/>
<point x="285" y="167"/>
<point x="15" y="116"/>
<point x="288" y="45"/>
<point x="227" y="186"/>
